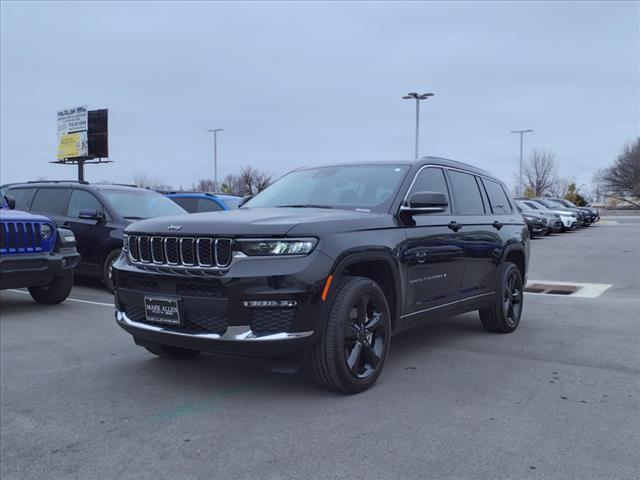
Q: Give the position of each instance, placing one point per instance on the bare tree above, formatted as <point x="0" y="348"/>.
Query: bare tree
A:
<point x="560" y="186"/>
<point x="144" y="180"/>
<point x="622" y="179"/>
<point x="203" y="185"/>
<point x="598" y="189"/>
<point x="251" y="181"/>
<point x="540" y="172"/>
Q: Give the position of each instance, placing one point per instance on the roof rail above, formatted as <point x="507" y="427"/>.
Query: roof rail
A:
<point x="120" y="184"/>
<point x="186" y="191"/>
<point x="57" y="181"/>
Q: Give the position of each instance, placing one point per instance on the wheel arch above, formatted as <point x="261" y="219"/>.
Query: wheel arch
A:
<point x="516" y="254"/>
<point x="378" y="266"/>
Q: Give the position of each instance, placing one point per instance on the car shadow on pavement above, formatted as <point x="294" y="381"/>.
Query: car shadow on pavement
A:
<point x="210" y="374"/>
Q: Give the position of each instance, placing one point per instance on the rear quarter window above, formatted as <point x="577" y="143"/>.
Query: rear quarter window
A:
<point x="497" y="197"/>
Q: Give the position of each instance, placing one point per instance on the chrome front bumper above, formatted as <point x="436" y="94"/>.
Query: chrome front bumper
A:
<point x="236" y="333"/>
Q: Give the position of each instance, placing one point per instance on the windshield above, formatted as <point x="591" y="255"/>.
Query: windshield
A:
<point x="140" y="204"/>
<point x="350" y="187"/>
<point x="565" y="203"/>
<point x="547" y="203"/>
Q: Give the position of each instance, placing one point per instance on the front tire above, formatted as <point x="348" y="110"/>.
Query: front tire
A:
<point x="504" y="315"/>
<point x="107" y="269"/>
<point x="352" y="350"/>
<point x="55" y="292"/>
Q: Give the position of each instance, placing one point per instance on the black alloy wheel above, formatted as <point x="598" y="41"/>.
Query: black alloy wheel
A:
<point x="351" y="351"/>
<point x="512" y="298"/>
<point x="503" y="315"/>
<point x="365" y="335"/>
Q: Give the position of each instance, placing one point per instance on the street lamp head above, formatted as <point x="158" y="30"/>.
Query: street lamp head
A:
<point x="521" y="131"/>
<point x="422" y="96"/>
<point x="215" y="130"/>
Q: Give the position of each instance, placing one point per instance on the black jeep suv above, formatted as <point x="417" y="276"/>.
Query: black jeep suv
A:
<point x="96" y="214"/>
<point x="325" y="265"/>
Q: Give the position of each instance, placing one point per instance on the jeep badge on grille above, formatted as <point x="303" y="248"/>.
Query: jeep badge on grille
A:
<point x="174" y="227"/>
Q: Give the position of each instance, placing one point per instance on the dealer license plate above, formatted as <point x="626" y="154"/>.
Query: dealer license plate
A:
<point x="162" y="310"/>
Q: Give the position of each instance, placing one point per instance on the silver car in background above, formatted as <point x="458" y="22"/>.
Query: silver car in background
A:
<point x="568" y="219"/>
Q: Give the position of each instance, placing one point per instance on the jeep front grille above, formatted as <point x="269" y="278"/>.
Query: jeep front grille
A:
<point x="22" y="237"/>
<point x="180" y="251"/>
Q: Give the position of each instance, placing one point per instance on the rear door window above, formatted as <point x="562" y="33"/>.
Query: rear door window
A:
<point x="466" y="193"/>
<point x="22" y="196"/>
<point x="497" y="197"/>
<point x="50" y="200"/>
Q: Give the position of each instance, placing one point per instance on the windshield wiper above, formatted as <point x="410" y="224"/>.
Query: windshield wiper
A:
<point x="134" y="218"/>
<point x="305" y="205"/>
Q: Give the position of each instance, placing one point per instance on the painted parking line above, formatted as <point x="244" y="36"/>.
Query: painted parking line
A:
<point x="70" y="299"/>
<point x="585" y="290"/>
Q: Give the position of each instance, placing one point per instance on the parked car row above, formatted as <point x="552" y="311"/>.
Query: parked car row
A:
<point x="552" y="215"/>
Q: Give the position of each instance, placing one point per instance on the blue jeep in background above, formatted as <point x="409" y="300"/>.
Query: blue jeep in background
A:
<point x="34" y="253"/>
<point x="197" y="202"/>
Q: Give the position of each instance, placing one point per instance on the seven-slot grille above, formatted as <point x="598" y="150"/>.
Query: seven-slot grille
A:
<point x="180" y="251"/>
<point x="20" y="237"/>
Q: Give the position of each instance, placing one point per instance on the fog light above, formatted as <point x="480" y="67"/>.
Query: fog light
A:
<point x="64" y="262"/>
<point x="269" y="303"/>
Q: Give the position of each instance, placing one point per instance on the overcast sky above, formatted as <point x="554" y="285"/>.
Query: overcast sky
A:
<point x="309" y="83"/>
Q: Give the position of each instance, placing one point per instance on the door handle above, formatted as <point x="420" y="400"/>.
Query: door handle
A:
<point x="455" y="226"/>
<point x="421" y="256"/>
<point x="497" y="225"/>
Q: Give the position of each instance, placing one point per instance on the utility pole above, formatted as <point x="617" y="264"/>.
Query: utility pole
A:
<point x="417" y="97"/>
<point x="215" y="155"/>
<point x="521" y="132"/>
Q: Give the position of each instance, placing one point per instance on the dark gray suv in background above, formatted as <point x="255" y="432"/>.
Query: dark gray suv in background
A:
<point x="325" y="265"/>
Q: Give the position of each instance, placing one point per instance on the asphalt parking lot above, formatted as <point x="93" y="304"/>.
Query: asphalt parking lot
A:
<point x="559" y="398"/>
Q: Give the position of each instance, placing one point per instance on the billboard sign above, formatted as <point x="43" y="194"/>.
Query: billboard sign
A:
<point x="73" y="124"/>
<point x="73" y="145"/>
<point x="73" y="120"/>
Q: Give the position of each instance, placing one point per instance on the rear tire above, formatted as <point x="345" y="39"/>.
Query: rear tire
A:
<point x="354" y="345"/>
<point x="504" y="315"/>
<point x="55" y="292"/>
<point x="166" y="351"/>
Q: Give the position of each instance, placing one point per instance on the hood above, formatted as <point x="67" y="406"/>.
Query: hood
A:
<point x="533" y="214"/>
<point x="260" y="222"/>
<point x="20" y="216"/>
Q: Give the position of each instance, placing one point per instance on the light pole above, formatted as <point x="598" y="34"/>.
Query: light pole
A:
<point x="215" y="155"/>
<point x="417" y="97"/>
<point x="521" y="132"/>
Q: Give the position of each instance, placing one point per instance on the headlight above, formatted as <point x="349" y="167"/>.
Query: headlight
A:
<point x="266" y="247"/>
<point x="45" y="231"/>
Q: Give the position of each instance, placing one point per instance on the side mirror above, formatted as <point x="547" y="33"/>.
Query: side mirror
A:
<point x="244" y="200"/>
<point x="90" y="214"/>
<point x="11" y="202"/>
<point x="425" y="202"/>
